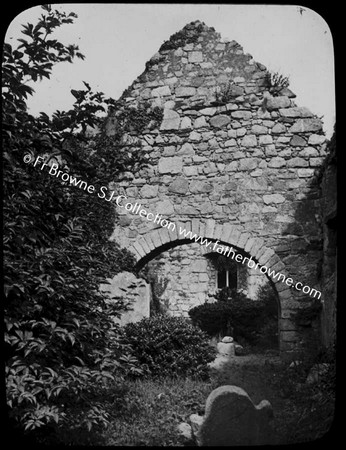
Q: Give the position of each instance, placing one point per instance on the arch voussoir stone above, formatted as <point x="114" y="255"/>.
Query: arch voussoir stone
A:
<point x="243" y="239"/>
<point x="256" y="246"/>
<point x="279" y="266"/>
<point x="139" y="249"/>
<point x="218" y="232"/>
<point x="265" y="257"/>
<point x="195" y="226"/>
<point x="234" y="235"/>
<point x="136" y="254"/>
<point x="226" y="231"/>
<point x="173" y="233"/>
<point x="156" y="238"/>
<point x="209" y="228"/>
<point x="164" y="235"/>
<point x="273" y="260"/>
<point x="249" y="244"/>
<point x="143" y="243"/>
<point x="149" y="241"/>
<point x="201" y="228"/>
<point x="183" y="226"/>
<point x="260" y="252"/>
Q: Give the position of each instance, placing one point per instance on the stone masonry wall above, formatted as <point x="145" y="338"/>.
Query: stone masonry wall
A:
<point x="248" y="159"/>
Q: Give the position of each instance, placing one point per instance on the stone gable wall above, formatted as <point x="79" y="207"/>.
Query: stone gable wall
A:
<point x="248" y="161"/>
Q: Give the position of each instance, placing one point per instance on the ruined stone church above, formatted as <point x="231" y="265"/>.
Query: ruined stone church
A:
<point x="233" y="160"/>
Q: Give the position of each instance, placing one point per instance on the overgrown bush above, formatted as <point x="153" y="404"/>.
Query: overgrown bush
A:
<point x="233" y="313"/>
<point x="213" y="318"/>
<point x="169" y="346"/>
<point x="62" y="350"/>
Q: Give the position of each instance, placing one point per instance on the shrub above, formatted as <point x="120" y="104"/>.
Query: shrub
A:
<point x="245" y="315"/>
<point x="212" y="318"/>
<point x="233" y="313"/>
<point x="169" y="346"/>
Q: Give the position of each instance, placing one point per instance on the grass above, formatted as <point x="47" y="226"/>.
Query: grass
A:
<point x="153" y="410"/>
<point x="150" y="411"/>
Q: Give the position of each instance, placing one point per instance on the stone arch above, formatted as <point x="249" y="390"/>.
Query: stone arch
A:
<point x="158" y="240"/>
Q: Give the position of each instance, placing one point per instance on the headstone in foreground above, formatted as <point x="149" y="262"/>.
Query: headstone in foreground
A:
<point x="231" y="419"/>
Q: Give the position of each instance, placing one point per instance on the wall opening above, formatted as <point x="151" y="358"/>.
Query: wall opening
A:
<point x="184" y="276"/>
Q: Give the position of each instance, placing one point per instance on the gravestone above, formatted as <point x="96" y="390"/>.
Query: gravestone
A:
<point x="227" y="339"/>
<point x="226" y="348"/>
<point x="231" y="419"/>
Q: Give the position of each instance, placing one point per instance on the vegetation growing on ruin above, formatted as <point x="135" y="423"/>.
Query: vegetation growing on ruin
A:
<point x="224" y="93"/>
<point x="185" y="36"/>
<point x="275" y="82"/>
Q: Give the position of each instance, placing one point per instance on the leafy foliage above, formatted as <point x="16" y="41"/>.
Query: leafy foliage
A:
<point x="169" y="346"/>
<point x="235" y="314"/>
<point x="62" y="345"/>
<point x="32" y="60"/>
<point x="213" y="318"/>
